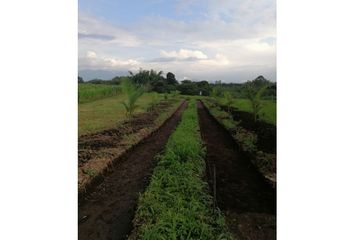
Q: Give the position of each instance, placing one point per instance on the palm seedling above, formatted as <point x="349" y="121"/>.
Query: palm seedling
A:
<point x="228" y="100"/>
<point x="154" y="102"/>
<point x="254" y="95"/>
<point x="133" y="93"/>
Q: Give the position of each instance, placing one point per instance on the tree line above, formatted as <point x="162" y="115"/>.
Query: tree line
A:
<point x="154" y="81"/>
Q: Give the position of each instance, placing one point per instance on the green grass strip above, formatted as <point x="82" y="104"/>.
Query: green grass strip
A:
<point x="176" y="204"/>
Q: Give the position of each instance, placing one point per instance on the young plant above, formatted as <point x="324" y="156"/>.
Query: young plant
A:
<point x="216" y="92"/>
<point x="133" y="93"/>
<point x="154" y="102"/>
<point x="228" y="100"/>
<point x="175" y="93"/>
<point x="255" y="95"/>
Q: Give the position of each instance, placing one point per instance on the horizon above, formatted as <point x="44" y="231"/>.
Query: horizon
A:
<point x="232" y="41"/>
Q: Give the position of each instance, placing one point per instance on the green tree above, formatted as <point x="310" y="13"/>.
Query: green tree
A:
<point x="171" y="79"/>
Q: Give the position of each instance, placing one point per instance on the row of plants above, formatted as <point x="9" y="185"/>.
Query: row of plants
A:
<point x="102" y="159"/>
<point x="91" y="92"/>
<point x="176" y="204"/>
<point x="247" y="140"/>
<point x="254" y="99"/>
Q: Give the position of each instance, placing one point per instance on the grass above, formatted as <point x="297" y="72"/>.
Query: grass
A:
<point x="268" y="112"/>
<point x="176" y="204"/>
<point x="106" y="113"/>
<point x="90" y="92"/>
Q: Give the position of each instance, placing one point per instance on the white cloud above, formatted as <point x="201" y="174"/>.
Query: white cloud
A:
<point x="184" y="54"/>
<point x="92" y="61"/>
<point x="91" y="55"/>
<point x="235" y="37"/>
<point x="219" y="60"/>
<point x="93" y="31"/>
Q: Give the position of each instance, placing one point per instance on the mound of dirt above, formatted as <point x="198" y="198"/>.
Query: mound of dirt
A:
<point x="108" y="210"/>
<point x="266" y="133"/>
<point x="242" y="193"/>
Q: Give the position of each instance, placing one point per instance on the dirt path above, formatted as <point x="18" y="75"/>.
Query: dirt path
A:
<point x="248" y="202"/>
<point x="108" y="211"/>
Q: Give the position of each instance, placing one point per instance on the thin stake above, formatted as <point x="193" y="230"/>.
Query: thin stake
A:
<point x="214" y="187"/>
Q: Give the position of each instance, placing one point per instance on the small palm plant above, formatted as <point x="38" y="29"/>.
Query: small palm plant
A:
<point x="154" y="102"/>
<point x="255" y="95"/>
<point x="228" y="100"/>
<point x="133" y="92"/>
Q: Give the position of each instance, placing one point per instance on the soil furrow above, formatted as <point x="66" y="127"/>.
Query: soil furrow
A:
<point x="248" y="202"/>
<point x="107" y="213"/>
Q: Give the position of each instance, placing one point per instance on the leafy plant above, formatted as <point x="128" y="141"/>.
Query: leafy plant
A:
<point x="254" y="94"/>
<point x="228" y="100"/>
<point x="133" y="92"/>
<point x="154" y="102"/>
<point x="89" y="171"/>
<point x="248" y="140"/>
<point x="175" y="93"/>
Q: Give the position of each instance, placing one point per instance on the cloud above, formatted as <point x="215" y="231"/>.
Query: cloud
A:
<point x="96" y="36"/>
<point x="230" y="40"/>
<point x="184" y="54"/>
<point x="93" y="29"/>
<point x="196" y="56"/>
<point x="223" y="20"/>
<point x="91" y="55"/>
<point x="92" y="61"/>
<point x="181" y="55"/>
<point x="219" y="60"/>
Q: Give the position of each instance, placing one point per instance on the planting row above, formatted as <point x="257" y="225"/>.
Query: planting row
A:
<point x="247" y="140"/>
<point x="177" y="204"/>
<point x="98" y="151"/>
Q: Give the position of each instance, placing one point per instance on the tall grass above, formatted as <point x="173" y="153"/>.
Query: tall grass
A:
<point x="90" y="92"/>
<point x="176" y="204"/>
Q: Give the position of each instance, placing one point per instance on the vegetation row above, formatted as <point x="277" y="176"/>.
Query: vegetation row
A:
<point x="176" y="204"/>
<point x="247" y="140"/>
<point x="157" y="82"/>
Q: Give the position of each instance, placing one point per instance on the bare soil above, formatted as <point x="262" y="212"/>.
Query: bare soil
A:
<point x="107" y="212"/>
<point x="246" y="199"/>
<point x="91" y="144"/>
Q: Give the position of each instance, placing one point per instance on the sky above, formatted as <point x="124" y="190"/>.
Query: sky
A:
<point x="228" y="40"/>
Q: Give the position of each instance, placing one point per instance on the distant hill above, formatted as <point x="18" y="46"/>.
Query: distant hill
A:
<point x="101" y="74"/>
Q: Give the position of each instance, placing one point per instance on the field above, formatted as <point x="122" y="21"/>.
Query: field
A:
<point x="268" y="112"/>
<point x="187" y="168"/>
<point x="106" y="113"/>
<point x="91" y="92"/>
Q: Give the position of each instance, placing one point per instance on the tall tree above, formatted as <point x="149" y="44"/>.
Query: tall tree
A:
<point x="171" y="79"/>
